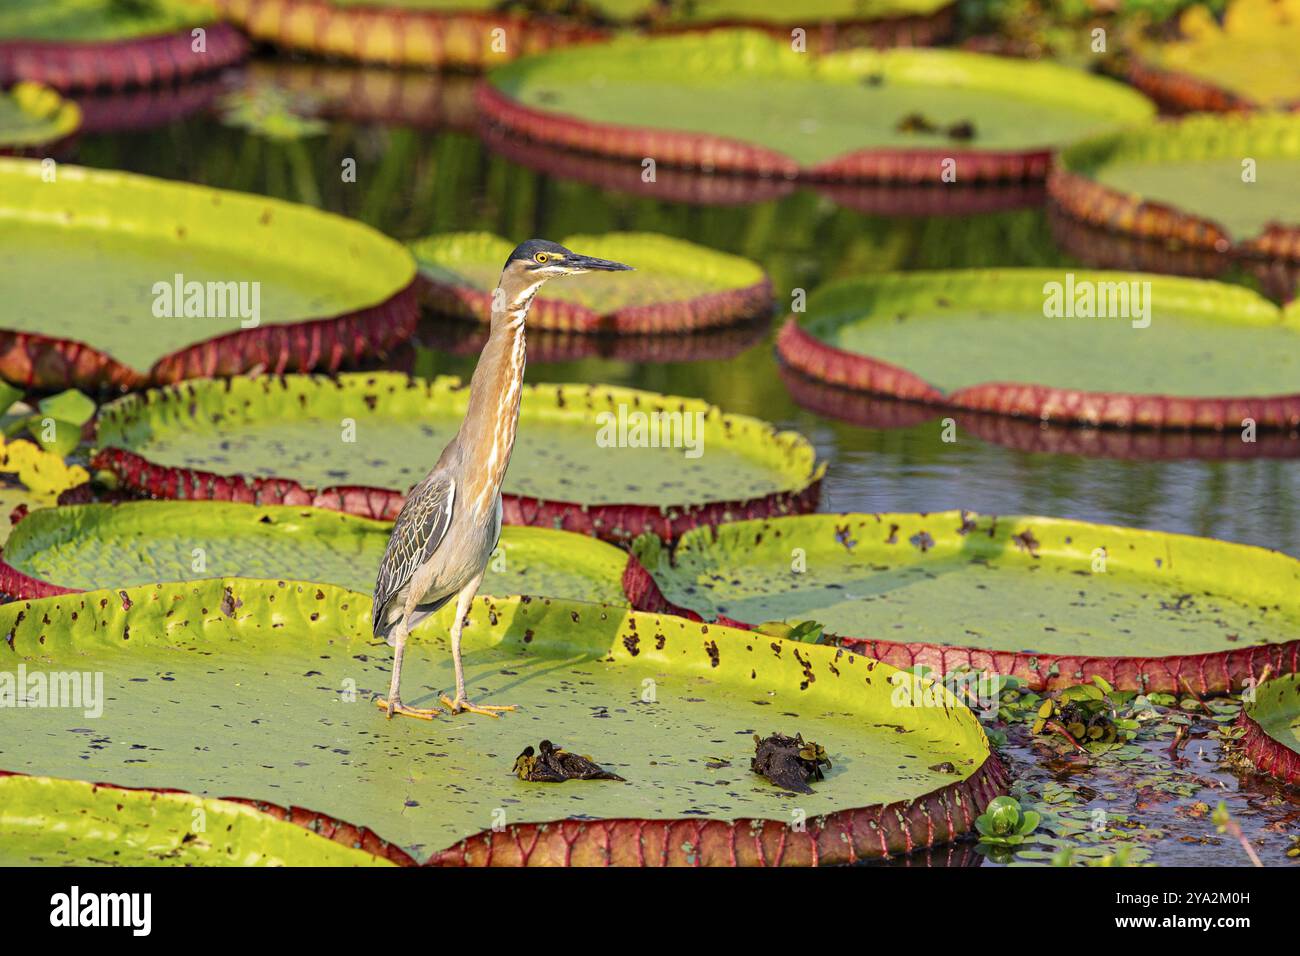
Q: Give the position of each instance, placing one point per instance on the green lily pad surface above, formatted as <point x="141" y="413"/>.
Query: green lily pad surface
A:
<point x="296" y="427"/>
<point x="1027" y="585"/>
<point x="670" y="273"/>
<point x="1199" y="166"/>
<point x="749" y="87"/>
<point x="32" y="115"/>
<point x="966" y="328"/>
<point x="86" y="258"/>
<point x="85" y="547"/>
<point x="52" y="822"/>
<point x="200" y="677"/>
<point x="81" y="21"/>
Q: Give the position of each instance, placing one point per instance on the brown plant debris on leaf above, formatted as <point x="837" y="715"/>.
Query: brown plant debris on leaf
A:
<point x="551" y="764"/>
<point x="963" y="130"/>
<point x="789" y="762"/>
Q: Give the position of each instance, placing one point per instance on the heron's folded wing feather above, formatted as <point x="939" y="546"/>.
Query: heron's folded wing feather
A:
<point x="420" y="528"/>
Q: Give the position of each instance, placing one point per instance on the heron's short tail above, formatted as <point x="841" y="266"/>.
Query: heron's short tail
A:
<point x="385" y="624"/>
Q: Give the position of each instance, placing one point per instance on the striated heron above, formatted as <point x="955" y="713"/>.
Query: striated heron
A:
<point x="451" y="521"/>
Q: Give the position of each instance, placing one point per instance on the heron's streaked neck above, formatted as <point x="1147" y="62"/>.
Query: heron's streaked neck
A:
<point x="487" y="435"/>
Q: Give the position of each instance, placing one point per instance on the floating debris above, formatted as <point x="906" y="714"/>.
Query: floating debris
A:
<point x="551" y="764"/>
<point x="915" y="123"/>
<point x="965" y="130"/>
<point x="789" y="762"/>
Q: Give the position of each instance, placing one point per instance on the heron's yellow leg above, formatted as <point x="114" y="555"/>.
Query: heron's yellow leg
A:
<point x="393" y="704"/>
<point x="461" y="704"/>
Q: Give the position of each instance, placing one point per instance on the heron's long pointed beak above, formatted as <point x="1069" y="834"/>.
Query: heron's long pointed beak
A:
<point x="592" y="264"/>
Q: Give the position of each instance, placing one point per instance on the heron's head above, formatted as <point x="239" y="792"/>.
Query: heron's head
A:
<point x="538" y="259"/>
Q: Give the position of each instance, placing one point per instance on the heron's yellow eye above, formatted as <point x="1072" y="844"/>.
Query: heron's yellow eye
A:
<point x="540" y="257"/>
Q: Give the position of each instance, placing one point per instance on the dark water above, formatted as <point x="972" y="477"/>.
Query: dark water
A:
<point x="428" y="171"/>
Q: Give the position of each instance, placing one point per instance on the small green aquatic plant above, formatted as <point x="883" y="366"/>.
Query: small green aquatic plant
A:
<point x="1088" y="714"/>
<point x="55" y="423"/>
<point x="1003" y="823"/>
<point x="805" y="632"/>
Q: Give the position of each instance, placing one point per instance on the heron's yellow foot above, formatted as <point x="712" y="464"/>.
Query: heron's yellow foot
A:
<point x="462" y="705"/>
<point x="397" y="707"/>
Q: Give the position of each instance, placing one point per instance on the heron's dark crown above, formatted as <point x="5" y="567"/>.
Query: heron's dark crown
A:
<point x="527" y="250"/>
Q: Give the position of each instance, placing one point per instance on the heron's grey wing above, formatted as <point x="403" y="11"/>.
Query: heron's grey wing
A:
<point x="420" y="528"/>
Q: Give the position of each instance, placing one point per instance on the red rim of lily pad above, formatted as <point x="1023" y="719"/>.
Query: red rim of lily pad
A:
<point x="882" y="412"/>
<point x="839" y="837"/>
<point x="398" y="36"/>
<point x="611" y="522"/>
<point x="1214" y="672"/>
<point x="813" y="357"/>
<point x="1177" y="92"/>
<point x="1270" y="756"/>
<point x="331" y="828"/>
<point x="120" y="64"/>
<point x="723" y="155"/>
<point x="329" y="345"/>
<point x="737" y="302"/>
<point x="842" y="836"/>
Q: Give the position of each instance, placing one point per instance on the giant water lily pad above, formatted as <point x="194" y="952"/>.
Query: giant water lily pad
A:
<point x="1272" y="724"/>
<point x="1223" y="183"/>
<point x="677" y="285"/>
<point x="1048" y="600"/>
<point x="746" y="102"/>
<point x="1247" y="60"/>
<point x="1048" y="344"/>
<point x="35" y="118"/>
<point x="54" y="822"/>
<point x="266" y="689"/>
<point x="84" y="547"/>
<point x="93" y="261"/>
<point x="441" y="33"/>
<point x="358" y="442"/>
<point x="95" y="44"/>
